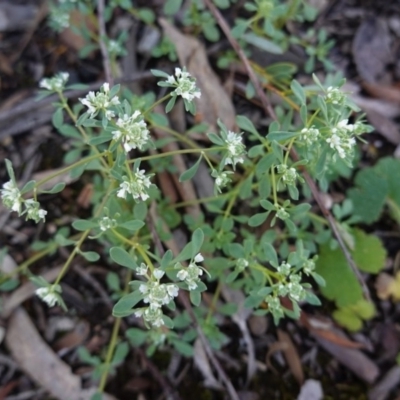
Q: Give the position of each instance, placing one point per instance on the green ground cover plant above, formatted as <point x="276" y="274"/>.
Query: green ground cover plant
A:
<point x="279" y="248"/>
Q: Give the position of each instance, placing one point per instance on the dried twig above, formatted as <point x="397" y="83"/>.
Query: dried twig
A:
<point x="269" y="110"/>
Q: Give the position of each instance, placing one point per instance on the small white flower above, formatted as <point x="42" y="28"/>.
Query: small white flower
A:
<point x="289" y="175"/>
<point x="143" y="288"/>
<point x="235" y="149"/>
<point x="137" y="186"/>
<point x="190" y="275"/>
<point x="310" y="135"/>
<point x="107" y="223"/>
<point x="153" y="316"/>
<point x="158" y="274"/>
<point x="284" y="268"/>
<point x="100" y="101"/>
<point x="281" y="213"/>
<point x="142" y="270"/>
<point x="55" y="84"/>
<point x="309" y="266"/>
<point x="157" y="294"/>
<point x="133" y="131"/>
<point x="33" y="211"/>
<point x="11" y="196"/>
<point x="295" y="290"/>
<point x="49" y="294"/>
<point x="221" y="179"/>
<point x="335" y="142"/>
<point x="185" y="85"/>
<point x="172" y="290"/>
<point x="182" y="274"/>
<point x="335" y="95"/>
<point x="199" y="258"/>
<point x="42" y="213"/>
<point x="242" y="264"/>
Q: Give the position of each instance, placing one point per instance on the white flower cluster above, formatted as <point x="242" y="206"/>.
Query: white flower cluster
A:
<point x="284" y="268"/>
<point x="274" y="307"/>
<point x="50" y="294"/>
<point x="107" y="223"/>
<point x="309" y="135"/>
<point x="289" y="175"/>
<point x="293" y="289"/>
<point x="100" y="101"/>
<point x="221" y="179"/>
<point x="55" y="84"/>
<point x="59" y="18"/>
<point x="13" y="200"/>
<point x="290" y="285"/>
<point x="137" y="186"/>
<point x="133" y="131"/>
<point x="191" y="274"/>
<point x="235" y="149"/>
<point x="281" y="213"/>
<point x="341" y="139"/>
<point x="335" y="95"/>
<point x="115" y="48"/>
<point x="185" y="85"/>
<point x="242" y="264"/>
<point x="156" y="295"/>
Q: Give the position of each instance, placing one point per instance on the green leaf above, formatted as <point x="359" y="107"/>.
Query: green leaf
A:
<point x="197" y="241"/>
<point x="28" y="187"/>
<point x="279" y="136"/>
<point x="10" y="169"/>
<point x="124" y="306"/>
<point x="256" y="150"/>
<point x="215" y="139"/>
<point x="97" y="396"/>
<point x="87" y="358"/>
<point x="146" y="15"/>
<point x="312" y="299"/>
<point x="364" y="309"/>
<point x="170" y="104"/>
<point x="167" y="322"/>
<point x="185" y="254"/>
<point x="133" y="225"/>
<point x="58" y="118"/>
<point x="369" y="253"/>
<point x="83" y="225"/>
<point x="171" y="7"/>
<point x="182" y="347"/>
<point x="122" y="257"/>
<point x="121" y="351"/>
<point x="245" y="124"/>
<point x="342" y="285"/>
<point x="114" y="90"/>
<point x="136" y="336"/>
<point x="232" y="276"/>
<point x="90" y="255"/>
<point x="265" y="164"/>
<point x="262" y="43"/>
<point x="59" y="187"/>
<point x="140" y="211"/>
<point x="347" y="318"/>
<point x="96" y="140"/>
<point x="190" y="173"/>
<point x="195" y="298"/>
<point x="369" y="195"/>
<point x="112" y="280"/>
<point x="298" y="91"/>
<point x="258" y="219"/>
<point x="159" y="74"/>
<point x="270" y="253"/>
